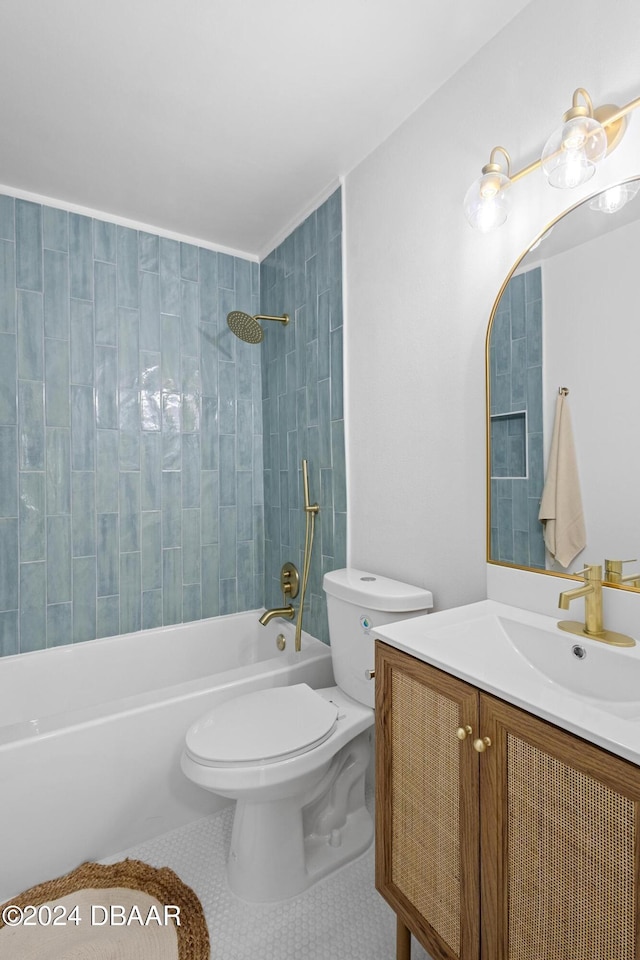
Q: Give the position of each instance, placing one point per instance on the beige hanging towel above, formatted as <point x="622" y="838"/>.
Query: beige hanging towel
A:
<point x="561" y="504"/>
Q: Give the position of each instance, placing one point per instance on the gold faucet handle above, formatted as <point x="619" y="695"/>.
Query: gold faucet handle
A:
<point x="592" y="571"/>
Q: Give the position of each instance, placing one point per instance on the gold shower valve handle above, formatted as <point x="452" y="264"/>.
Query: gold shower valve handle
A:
<point x="480" y="745"/>
<point x="463" y="732"/>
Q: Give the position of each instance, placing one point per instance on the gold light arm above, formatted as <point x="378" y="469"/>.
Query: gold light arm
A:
<point x="608" y="115"/>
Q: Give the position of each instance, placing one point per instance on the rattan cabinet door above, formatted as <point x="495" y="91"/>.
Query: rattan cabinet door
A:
<point x="427" y="832"/>
<point x="560" y="857"/>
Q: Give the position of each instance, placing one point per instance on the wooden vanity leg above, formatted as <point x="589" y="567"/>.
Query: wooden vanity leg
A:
<point x="403" y="941"/>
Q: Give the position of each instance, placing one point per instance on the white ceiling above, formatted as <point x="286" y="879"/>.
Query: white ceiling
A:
<point x="220" y="120"/>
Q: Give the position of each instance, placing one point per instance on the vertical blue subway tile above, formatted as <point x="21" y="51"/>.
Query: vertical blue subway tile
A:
<point x="209" y="506"/>
<point x="33" y="607"/>
<point x="246" y="576"/>
<point x="59" y="624"/>
<point x="128" y="348"/>
<point x="84" y="599"/>
<point x="151" y="550"/>
<point x="55" y="228"/>
<point x="81" y="256"/>
<point x="244" y="442"/>
<point x="9" y="638"/>
<point x="56" y="389"/>
<point x="58" y="473"/>
<point x="227" y="470"/>
<point x="151" y="471"/>
<point x="244" y="481"/>
<point x="340" y="539"/>
<point x="108" y="557"/>
<point x="227" y="397"/>
<point x="31" y="424"/>
<point x="56" y="294"/>
<point x="150" y="312"/>
<point x="148" y="252"/>
<point x="190" y="470"/>
<point x="83" y="514"/>
<point x="208" y="273"/>
<point x="172" y="586"/>
<point x="171" y="430"/>
<point x="7" y="287"/>
<point x="338" y="462"/>
<point x="151" y="609"/>
<point x="335" y="282"/>
<point x="8" y="471"/>
<point x="107" y="396"/>
<point x="243" y="285"/>
<point x="58" y="559"/>
<point x="188" y="261"/>
<point x="150" y="391"/>
<point x="7" y="218"/>
<point x="534" y="333"/>
<point x="191" y="394"/>
<point x="82" y="344"/>
<point x="191" y="602"/>
<point x="108" y="616"/>
<point x="169" y="276"/>
<point x="106" y="313"/>
<point x="208" y="360"/>
<point x="209" y="433"/>
<point x="228" y="597"/>
<point x="83" y="433"/>
<point x="324" y="335"/>
<point x="127" y="270"/>
<point x="228" y="542"/>
<point x="171" y="509"/>
<point x="32" y="516"/>
<point x="334" y="213"/>
<point x="105" y="241"/>
<point x="191" y="546"/>
<point x="28" y="245"/>
<point x="226" y="272"/>
<point x="8" y="378"/>
<point x="129" y="516"/>
<point x="30" y="334"/>
<point x="9" y="562"/>
<point x="190" y="318"/>
<point x="107" y="474"/>
<point x="171" y="378"/>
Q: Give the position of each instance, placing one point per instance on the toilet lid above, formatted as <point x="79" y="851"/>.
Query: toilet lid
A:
<point x="262" y="727"/>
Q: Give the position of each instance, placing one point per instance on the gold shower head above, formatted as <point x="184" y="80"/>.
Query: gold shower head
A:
<point x="247" y="327"/>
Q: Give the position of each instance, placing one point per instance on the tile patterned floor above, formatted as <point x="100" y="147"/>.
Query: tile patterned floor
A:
<point x="340" y="918"/>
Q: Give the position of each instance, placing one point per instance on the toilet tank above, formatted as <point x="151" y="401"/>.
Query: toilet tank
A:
<point x="357" y="602"/>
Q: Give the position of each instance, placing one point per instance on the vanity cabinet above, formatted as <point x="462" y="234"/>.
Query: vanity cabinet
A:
<point x="498" y="835"/>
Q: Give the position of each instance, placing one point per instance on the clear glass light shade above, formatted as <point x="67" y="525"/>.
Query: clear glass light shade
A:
<point x="487" y="203"/>
<point x="615" y="198"/>
<point x="572" y="152"/>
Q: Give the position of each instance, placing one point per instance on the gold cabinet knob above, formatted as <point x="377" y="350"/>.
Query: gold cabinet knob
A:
<point x="463" y="732"/>
<point x="481" y="744"/>
<point x="370" y="674"/>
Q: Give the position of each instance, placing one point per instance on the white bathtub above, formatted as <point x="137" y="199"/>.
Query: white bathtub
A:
<point x="91" y="735"/>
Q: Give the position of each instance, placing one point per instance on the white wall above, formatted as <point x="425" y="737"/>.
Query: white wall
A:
<point x="421" y="283"/>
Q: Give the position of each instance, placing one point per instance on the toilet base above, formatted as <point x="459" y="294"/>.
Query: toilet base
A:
<point x="280" y="848"/>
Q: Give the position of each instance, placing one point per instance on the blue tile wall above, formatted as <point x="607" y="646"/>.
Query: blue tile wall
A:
<point x="302" y="375"/>
<point x="130" y="430"/>
<point x="515" y="362"/>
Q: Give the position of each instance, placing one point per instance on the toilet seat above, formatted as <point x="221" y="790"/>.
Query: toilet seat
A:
<point x="265" y="726"/>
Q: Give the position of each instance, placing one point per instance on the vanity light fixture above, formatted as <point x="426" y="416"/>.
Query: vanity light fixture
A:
<point x="615" y="198"/>
<point x="569" y="158"/>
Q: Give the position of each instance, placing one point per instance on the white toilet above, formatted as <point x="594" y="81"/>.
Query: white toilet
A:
<point x="295" y="759"/>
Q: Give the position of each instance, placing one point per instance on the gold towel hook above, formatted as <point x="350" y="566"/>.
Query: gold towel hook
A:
<point x="563" y="391"/>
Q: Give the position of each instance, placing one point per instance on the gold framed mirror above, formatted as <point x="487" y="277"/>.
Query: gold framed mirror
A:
<point x="567" y="316"/>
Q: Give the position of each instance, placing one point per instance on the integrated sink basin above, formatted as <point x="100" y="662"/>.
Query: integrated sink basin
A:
<point x="523" y="657"/>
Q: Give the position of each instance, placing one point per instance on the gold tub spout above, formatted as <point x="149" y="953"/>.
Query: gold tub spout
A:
<point x="288" y="612"/>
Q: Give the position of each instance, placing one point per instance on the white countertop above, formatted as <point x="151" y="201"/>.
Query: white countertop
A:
<point x="596" y="698"/>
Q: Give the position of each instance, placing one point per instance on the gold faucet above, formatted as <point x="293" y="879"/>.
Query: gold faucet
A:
<point x="288" y="612"/>
<point x="593" y="625"/>
<point x="613" y="573"/>
<point x="289" y="584"/>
